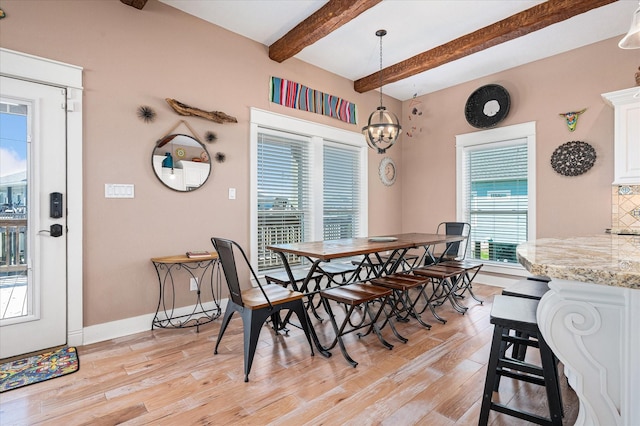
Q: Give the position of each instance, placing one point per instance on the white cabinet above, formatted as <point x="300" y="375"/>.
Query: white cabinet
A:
<point x="185" y="176"/>
<point x="194" y="173"/>
<point x="626" y="104"/>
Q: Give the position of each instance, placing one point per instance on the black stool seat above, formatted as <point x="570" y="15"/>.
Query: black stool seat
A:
<point x="539" y="278"/>
<point x="530" y="289"/>
<point x="518" y="314"/>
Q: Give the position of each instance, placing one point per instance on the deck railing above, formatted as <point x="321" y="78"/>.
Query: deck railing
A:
<point x="13" y="244"/>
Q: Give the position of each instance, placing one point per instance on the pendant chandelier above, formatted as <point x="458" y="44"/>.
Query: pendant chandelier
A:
<point x="383" y="127"/>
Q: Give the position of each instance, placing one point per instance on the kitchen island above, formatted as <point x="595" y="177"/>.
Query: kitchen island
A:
<point x="591" y="319"/>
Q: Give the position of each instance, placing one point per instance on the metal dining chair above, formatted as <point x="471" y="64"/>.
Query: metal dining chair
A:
<point x="456" y="257"/>
<point x="256" y="304"/>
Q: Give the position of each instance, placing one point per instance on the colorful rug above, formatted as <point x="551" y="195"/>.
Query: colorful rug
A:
<point x="38" y="368"/>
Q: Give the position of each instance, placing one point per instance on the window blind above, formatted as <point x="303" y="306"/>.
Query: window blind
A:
<point x="341" y="191"/>
<point x="283" y="194"/>
<point x="497" y="200"/>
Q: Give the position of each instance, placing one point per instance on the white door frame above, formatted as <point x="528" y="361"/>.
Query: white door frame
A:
<point x="32" y="68"/>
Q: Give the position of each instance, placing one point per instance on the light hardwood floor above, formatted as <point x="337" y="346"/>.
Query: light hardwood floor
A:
<point x="171" y="377"/>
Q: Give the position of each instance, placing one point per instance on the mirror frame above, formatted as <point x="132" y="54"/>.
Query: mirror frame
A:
<point x="168" y="139"/>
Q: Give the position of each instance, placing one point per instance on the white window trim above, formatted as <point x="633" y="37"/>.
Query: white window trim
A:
<point x="517" y="131"/>
<point x="318" y="133"/>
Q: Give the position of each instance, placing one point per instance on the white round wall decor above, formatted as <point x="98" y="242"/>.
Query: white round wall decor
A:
<point x="387" y="171"/>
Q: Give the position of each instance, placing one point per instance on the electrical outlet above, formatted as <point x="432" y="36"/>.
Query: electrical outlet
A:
<point x="193" y="284"/>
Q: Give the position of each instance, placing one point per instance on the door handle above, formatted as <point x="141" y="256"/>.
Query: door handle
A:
<point x="55" y="230"/>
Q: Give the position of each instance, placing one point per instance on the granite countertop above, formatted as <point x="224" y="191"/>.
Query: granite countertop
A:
<point x="607" y="259"/>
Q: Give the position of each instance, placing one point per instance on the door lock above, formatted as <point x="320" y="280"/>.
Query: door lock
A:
<point x="55" y="205"/>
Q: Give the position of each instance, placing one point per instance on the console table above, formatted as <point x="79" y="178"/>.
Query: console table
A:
<point x="590" y="318"/>
<point x="206" y="272"/>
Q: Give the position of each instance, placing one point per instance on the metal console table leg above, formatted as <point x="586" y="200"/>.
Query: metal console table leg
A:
<point x="204" y="269"/>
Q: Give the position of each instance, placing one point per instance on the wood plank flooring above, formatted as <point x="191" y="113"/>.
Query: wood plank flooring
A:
<point x="171" y="377"/>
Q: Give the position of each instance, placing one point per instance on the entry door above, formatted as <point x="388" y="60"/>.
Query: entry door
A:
<point x="34" y="250"/>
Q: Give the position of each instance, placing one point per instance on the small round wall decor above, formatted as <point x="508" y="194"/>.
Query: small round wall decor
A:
<point x="487" y="106"/>
<point x="387" y="171"/>
<point x="573" y="158"/>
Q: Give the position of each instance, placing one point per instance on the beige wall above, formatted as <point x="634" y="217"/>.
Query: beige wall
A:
<point x="134" y="58"/>
<point x="566" y="206"/>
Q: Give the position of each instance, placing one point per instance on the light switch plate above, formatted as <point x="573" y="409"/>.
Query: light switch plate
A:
<point x="118" y="190"/>
<point x="232" y="193"/>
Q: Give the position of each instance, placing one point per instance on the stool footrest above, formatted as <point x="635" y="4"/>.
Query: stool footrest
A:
<point x="530" y="417"/>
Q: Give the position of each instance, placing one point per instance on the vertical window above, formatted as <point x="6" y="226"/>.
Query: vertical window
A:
<point x="496" y="191"/>
<point x="283" y="193"/>
<point x="308" y="184"/>
<point x="341" y="186"/>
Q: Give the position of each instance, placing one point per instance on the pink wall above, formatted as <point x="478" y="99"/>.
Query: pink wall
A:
<point x="566" y="206"/>
<point x="134" y="58"/>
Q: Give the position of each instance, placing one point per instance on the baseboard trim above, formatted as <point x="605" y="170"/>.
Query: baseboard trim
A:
<point x="124" y="327"/>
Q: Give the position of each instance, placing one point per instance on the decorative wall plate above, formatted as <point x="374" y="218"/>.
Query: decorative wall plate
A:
<point x="387" y="171"/>
<point x="573" y="158"/>
<point x="180" y="152"/>
<point x="487" y="106"/>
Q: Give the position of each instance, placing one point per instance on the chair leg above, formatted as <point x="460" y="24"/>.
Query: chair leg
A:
<point x="549" y="370"/>
<point x="374" y="326"/>
<point x="339" y="331"/>
<point x="228" y="313"/>
<point x="252" y="325"/>
<point x="491" y="376"/>
<point x="298" y="308"/>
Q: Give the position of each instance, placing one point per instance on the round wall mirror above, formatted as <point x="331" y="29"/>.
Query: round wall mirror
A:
<point x="181" y="162"/>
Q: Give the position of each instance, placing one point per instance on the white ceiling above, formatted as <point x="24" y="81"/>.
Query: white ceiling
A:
<point x="413" y="26"/>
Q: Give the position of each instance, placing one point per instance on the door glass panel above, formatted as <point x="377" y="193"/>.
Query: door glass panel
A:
<point x="15" y="299"/>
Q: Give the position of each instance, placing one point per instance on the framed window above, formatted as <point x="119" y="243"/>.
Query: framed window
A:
<point x="496" y="192"/>
<point x="308" y="183"/>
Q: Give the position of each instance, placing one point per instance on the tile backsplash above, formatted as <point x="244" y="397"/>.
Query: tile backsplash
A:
<point x="625" y="209"/>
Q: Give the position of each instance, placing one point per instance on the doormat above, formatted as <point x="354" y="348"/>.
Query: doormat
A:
<point x="38" y="368"/>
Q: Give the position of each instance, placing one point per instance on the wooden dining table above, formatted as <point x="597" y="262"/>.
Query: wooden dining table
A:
<point x="393" y="246"/>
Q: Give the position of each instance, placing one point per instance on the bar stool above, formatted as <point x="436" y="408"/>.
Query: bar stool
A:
<point x="401" y="303"/>
<point x="519" y="314"/>
<point x="444" y="280"/>
<point x="529" y="288"/>
<point x="354" y="296"/>
<point x="471" y="269"/>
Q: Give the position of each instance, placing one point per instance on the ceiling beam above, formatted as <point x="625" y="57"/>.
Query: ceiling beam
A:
<point x="325" y="20"/>
<point x="525" y="22"/>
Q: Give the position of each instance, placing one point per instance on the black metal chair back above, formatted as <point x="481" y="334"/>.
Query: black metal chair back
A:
<point x="457" y="249"/>
<point x="225" y="249"/>
<point x="253" y="304"/>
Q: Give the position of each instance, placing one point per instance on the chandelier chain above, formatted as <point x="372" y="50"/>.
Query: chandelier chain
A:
<point x="380" y="73"/>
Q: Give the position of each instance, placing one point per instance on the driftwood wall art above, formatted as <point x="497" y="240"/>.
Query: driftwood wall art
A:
<point x="138" y="4"/>
<point x="215" y="116"/>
